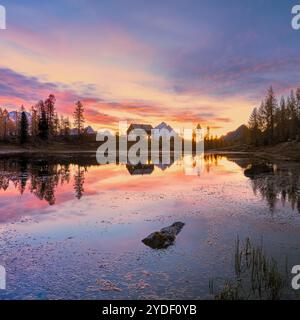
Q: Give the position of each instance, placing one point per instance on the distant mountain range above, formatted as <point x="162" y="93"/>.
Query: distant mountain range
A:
<point x="237" y="135"/>
<point x="163" y="125"/>
<point x="89" y="130"/>
<point x="168" y="130"/>
<point x="240" y="134"/>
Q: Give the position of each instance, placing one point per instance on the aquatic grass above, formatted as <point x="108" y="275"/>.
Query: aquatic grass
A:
<point x="256" y="275"/>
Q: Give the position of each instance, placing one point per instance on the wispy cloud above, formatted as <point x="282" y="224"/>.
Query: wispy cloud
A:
<point x="179" y="61"/>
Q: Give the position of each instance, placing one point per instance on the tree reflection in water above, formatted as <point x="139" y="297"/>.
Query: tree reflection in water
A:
<point x="283" y="184"/>
<point x="42" y="177"/>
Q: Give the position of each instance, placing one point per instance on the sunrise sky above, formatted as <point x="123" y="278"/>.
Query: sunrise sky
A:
<point x="181" y="62"/>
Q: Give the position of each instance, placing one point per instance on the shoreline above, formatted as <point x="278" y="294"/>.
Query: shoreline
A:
<point x="287" y="151"/>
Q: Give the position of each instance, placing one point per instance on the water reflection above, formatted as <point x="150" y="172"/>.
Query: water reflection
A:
<point x="273" y="182"/>
<point x="140" y="169"/>
<point x="278" y="184"/>
<point x="42" y="177"/>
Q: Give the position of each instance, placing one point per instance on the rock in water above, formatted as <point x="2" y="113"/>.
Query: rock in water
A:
<point x="163" y="238"/>
<point x="257" y="169"/>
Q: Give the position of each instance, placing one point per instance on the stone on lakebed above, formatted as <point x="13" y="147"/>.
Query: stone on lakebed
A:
<point x="163" y="238"/>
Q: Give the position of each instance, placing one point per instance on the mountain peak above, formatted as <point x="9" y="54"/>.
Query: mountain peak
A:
<point x="239" y="134"/>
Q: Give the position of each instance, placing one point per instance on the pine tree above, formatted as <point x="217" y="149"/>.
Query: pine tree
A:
<point x="50" y="113"/>
<point x="292" y="109"/>
<point x="43" y="126"/>
<point x="79" y="118"/>
<point x="270" y="108"/>
<point x="18" y="122"/>
<point x="254" y="127"/>
<point x="23" y="128"/>
<point x="56" y="125"/>
<point x="298" y="109"/>
<point x="282" y="125"/>
<point x="66" y="126"/>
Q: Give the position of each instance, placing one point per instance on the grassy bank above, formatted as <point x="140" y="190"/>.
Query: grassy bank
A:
<point x="286" y="151"/>
<point x="48" y="148"/>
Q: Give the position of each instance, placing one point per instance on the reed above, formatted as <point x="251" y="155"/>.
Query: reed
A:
<point x="256" y="275"/>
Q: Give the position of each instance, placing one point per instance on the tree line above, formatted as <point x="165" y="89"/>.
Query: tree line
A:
<point x="276" y="121"/>
<point x="41" y="122"/>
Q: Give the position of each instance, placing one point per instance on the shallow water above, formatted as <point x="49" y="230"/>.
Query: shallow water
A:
<point x="73" y="229"/>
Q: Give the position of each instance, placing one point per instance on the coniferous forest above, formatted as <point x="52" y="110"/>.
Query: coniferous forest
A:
<point x="40" y="123"/>
<point x="276" y="120"/>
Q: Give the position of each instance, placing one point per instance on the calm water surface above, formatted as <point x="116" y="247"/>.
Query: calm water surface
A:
<point x="73" y="229"/>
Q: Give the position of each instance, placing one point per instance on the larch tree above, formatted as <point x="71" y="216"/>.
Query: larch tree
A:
<point x="50" y="113"/>
<point x="79" y="118"/>
<point x="56" y="125"/>
<point x="34" y="122"/>
<point x="5" y="123"/>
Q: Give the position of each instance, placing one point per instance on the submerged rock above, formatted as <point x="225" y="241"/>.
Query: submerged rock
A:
<point x="163" y="238"/>
<point x="256" y="169"/>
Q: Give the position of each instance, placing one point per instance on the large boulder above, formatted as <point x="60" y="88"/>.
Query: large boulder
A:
<point x="163" y="238"/>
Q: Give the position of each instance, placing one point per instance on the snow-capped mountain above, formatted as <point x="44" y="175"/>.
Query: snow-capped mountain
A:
<point x="163" y="125"/>
<point x="168" y="130"/>
<point x="88" y="130"/>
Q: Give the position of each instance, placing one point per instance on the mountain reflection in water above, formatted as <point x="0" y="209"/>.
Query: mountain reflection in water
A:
<point x="43" y="178"/>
